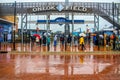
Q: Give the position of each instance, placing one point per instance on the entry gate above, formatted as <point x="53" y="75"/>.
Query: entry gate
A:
<point x="108" y="11"/>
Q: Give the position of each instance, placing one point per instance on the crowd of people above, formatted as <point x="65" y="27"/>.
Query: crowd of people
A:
<point x="111" y="42"/>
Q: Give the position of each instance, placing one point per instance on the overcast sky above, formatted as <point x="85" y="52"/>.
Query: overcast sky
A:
<point x="118" y="1"/>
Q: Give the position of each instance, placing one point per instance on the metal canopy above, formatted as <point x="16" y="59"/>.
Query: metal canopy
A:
<point x="27" y="7"/>
<point x="5" y="21"/>
<point x="108" y="11"/>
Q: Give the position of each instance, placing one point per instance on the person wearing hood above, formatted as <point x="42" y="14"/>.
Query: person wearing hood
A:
<point x="81" y="42"/>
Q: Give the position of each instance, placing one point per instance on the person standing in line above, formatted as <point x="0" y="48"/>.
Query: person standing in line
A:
<point x="107" y="41"/>
<point x="37" y="41"/>
<point x="48" y="43"/>
<point x="114" y="41"/>
<point x="44" y="42"/>
<point x="119" y="42"/>
<point x="62" y="42"/>
<point x="75" y="42"/>
<point x="55" y="42"/>
<point x="81" y="40"/>
<point x="40" y="42"/>
<point x="33" y="39"/>
<point x="9" y="37"/>
<point x="69" y="40"/>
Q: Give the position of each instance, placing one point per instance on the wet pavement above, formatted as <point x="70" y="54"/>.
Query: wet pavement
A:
<point x="59" y="67"/>
<point x="37" y="48"/>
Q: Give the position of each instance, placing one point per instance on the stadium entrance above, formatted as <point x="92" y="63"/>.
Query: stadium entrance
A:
<point x="108" y="11"/>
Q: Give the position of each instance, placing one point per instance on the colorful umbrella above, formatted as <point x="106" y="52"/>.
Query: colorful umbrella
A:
<point x="82" y="34"/>
<point x="37" y="35"/>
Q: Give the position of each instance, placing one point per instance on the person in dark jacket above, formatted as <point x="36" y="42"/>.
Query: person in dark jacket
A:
<point x="69" y="40"/>
<point x="44" y="42"/>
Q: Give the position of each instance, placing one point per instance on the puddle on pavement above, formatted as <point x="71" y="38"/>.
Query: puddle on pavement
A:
<point x="61" y="64"/>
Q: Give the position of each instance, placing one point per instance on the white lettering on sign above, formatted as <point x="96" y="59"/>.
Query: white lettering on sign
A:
<point x="84" y="9"/>
<point x="79" y="8"/>
<point x="42" y="8"/>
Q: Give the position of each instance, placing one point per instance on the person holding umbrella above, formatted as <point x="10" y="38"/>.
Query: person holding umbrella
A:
<point x="82" y="42"/>
<point x="75" y="42"/>
<point x="37" y="38"/>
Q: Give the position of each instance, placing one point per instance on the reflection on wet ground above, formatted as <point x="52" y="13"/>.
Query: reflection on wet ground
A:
<point x="37" y="48"/>
<point x="59" y="67"/>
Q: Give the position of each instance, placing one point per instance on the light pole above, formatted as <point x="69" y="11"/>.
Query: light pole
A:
<point x="67" y="27"/>
<point x="113" y="14"/>
<point x="14" y="26"/>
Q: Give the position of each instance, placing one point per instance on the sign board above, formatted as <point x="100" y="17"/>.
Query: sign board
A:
<point x="59" y="8"/>
<point x="61" y="20"/>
